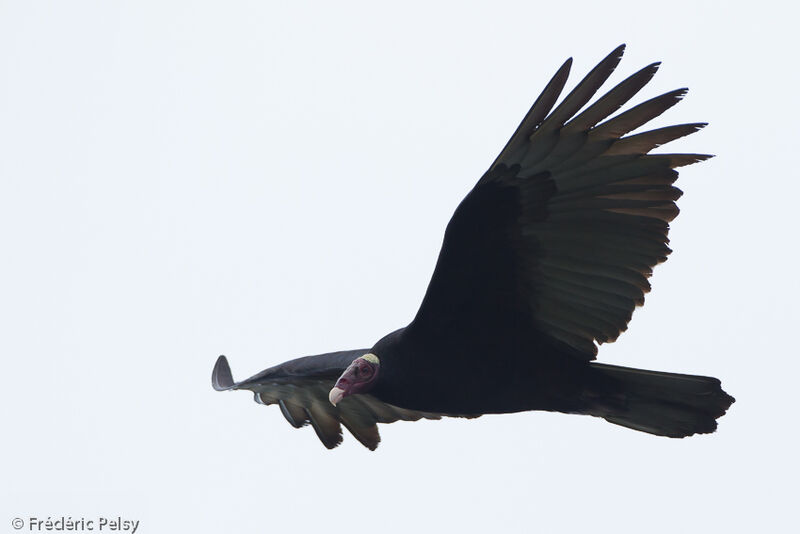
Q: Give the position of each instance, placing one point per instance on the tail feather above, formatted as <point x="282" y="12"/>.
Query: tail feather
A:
<point x="665" y="404"/>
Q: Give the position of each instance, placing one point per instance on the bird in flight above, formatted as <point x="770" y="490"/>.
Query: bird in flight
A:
<point x="545" y="259"/>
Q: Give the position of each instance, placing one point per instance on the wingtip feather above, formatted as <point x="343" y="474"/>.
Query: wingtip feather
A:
<point x="221" y="377"/>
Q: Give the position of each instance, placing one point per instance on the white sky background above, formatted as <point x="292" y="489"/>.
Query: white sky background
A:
<point x="181" y="180"/>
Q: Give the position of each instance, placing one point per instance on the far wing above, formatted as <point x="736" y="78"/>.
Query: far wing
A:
<point x="300" y="388"/>
<point x="564" y="229"/>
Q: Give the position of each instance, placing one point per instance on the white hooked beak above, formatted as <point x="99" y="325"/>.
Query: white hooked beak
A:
<point x="336" y="395"/>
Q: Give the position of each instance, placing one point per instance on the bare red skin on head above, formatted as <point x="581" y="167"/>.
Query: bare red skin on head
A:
<point x="359" y="377"/>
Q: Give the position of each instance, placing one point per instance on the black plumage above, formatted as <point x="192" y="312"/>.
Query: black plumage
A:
<point x="546" y="257"/>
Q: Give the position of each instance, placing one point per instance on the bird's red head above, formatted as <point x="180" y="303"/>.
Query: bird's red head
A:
<point x="359" y="377"/>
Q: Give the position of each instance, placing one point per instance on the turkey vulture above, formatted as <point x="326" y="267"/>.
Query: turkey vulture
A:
<point x="544" y="259"/>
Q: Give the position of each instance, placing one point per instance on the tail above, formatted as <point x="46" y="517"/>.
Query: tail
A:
<point x="664" y="404"/>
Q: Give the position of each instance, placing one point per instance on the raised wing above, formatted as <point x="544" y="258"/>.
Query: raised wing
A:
<point x="300" y="388"/>
<point x="563" y="231"/>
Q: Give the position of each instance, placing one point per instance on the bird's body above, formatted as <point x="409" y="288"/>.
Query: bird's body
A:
<point x="495" y="376"/>
<point x="545" y="258"/>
